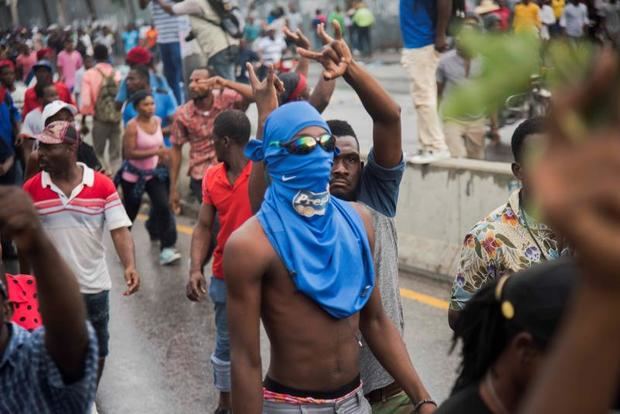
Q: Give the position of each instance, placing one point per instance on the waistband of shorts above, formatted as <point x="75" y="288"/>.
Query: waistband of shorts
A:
<point x="274" y="391"/>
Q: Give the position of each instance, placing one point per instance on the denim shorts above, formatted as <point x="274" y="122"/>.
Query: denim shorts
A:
<point x="98" y="311"/>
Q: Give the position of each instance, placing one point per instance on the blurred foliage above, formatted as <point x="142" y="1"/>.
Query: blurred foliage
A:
<point x="508" y="63"/>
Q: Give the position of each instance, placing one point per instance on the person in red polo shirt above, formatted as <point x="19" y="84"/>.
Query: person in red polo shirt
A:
<point x="225" y="191"/>
<point x="44" y="73"/>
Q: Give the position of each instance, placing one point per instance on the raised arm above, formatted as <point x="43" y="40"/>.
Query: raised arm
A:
<point x="60" y="302"/>
<point x="201" y="241"/>
<point x="244" y="266"/>
<point x="337" y="59"/>
<point x="123" y="243"/>
<point x="266" y="97"/>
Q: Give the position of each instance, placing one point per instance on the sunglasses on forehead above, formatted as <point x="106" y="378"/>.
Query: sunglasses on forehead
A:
<point x="305" y="144"/>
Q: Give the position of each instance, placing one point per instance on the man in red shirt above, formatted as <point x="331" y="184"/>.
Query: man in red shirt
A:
<point x="44" y="73"/>
<point x="225" y="191"/>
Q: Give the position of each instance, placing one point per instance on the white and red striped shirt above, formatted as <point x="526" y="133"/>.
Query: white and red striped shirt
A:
<point x="76" y="223"/>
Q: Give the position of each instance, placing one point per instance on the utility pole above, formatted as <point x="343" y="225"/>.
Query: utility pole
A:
<point x="92" y="10"/>
<point x="61" y="6"/>
<point x="14" y="12"/>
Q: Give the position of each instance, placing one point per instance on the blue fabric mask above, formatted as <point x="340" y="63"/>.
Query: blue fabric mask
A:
<point x="321" y="240"/>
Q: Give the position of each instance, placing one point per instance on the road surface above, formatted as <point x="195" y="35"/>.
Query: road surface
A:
<point x="161" y="342"/>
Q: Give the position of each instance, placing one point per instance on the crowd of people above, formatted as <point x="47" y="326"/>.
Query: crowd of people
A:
<point x="533" y="303"/>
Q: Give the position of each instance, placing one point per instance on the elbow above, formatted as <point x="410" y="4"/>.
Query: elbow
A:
<point x="395" y="112"/>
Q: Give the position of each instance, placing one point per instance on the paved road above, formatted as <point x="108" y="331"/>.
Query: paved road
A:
<point x="161" y="342"/>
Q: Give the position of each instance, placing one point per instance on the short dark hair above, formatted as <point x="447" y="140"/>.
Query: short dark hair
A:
<point x="526" y="128"/>
<point x="233" y="124"/>
<point x="142" y="71"/>
<point x="101" y="53"/>
<point x="340" y="128"/>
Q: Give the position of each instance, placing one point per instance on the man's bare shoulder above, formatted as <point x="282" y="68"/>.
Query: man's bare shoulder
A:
<point x="249" y="244"/>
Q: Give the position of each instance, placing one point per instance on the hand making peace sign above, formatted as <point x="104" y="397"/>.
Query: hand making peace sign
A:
<point x="335" y="56"/>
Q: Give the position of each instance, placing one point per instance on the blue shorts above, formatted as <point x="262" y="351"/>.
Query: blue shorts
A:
<point x="98" y="311"/>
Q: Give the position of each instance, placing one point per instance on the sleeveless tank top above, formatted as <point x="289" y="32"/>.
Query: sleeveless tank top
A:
<point x="145" y="141"/>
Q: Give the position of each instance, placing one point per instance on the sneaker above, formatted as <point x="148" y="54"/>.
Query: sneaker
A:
<point x="168" y="256"/>
<point x="429" y="156"/>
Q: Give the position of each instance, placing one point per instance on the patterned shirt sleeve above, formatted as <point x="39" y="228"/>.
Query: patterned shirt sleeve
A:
<point x="76" y="397"/>
<point x="477" y="266"/>
<point x="179" y="134"/>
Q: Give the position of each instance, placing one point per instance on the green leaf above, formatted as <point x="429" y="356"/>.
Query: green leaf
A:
<point x="505" y="240"/>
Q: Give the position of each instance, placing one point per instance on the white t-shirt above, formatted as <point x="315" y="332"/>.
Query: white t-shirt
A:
<point x="270" y="50"/>
<point x="75" y="224"/>
<point x="33" y="123"/>
<point x="574" y="19"/>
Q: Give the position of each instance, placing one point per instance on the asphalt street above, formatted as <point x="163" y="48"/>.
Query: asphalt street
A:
<point x="161" y="342"/>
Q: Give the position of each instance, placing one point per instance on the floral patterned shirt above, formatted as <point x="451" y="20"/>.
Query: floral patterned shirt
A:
<point x="498" y="245"/>
<point x="196" y="127"/>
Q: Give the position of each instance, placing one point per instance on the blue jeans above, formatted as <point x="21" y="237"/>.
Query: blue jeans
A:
<point x="221" y="356"/>
<point x="173" y="67"/>
<point x="223" y="63"/>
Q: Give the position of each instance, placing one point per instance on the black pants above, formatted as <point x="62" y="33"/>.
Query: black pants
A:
<point x="160" y="210"/>
<point x="363" y="40"/>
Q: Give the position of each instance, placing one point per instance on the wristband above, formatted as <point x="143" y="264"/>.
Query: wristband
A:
<point x="419" y="404"/>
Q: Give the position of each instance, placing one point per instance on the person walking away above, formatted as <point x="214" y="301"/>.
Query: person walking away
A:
<point x="219" y="47"/>
<point x="89" y="62"/>
<point x="68" y="62"/>
<point x="611" y="16"/>
<point x="60" y="359"/>
<point x="337" y="15"/>
<point x="59" y="193"/>
<point x="98" y="94"/>
<point x="509" y="239"/>
<point x="225" y="189"/>
<point x="526" y="17"/>
<point x="319" y="18"/>
<point x="363" y="19"/>
<point x="423" y="25"/>
<point x="574" y="21"/>
<point x="130" y="37"/>
<point x="169" y="43"/>
<point x="465" y="136"/>
<point x="143" y="148"/>
<point x="547" y="19"/>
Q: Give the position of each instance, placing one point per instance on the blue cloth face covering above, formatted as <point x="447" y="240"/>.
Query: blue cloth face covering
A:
<point x="321" y="240"/>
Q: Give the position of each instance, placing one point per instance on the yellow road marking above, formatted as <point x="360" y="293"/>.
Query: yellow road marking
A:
<point x="425" y="299"/>
<point x="405" y="293"/>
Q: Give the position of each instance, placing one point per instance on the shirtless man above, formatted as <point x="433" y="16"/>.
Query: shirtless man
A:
<point x="304" y="265"/>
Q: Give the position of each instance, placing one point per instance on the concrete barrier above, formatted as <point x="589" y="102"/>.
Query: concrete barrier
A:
<point x="439" y="203"/>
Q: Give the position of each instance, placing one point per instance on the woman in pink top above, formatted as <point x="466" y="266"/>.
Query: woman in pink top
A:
<point x="143" y="149"/>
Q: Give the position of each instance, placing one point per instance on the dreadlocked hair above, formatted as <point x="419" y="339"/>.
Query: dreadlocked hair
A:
<point x="484" y="334"/>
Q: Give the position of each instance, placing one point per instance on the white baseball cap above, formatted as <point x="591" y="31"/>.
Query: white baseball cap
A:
<point x="54" y="107"/>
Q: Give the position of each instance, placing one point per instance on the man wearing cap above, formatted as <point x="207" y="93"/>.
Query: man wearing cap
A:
<point x="76" y="205"/>
<point x="105" y="130"/>
<point x="140" y="56"/>
<point x="44" y="74"/>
